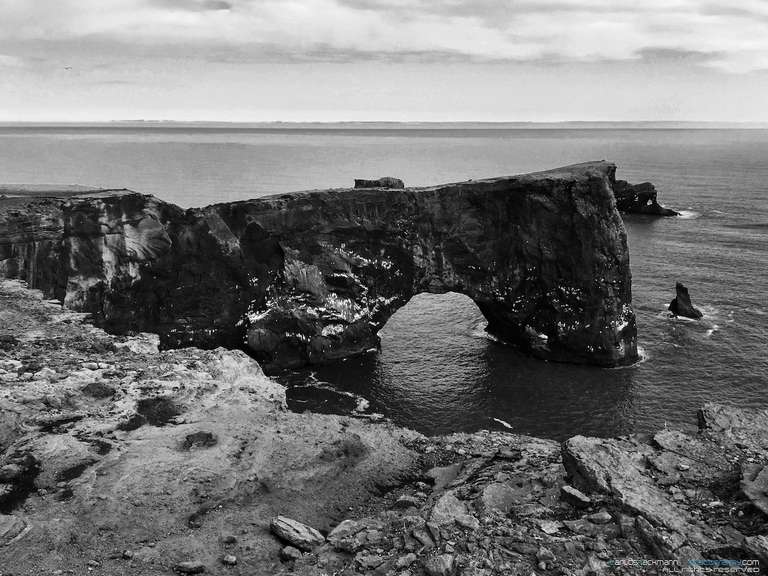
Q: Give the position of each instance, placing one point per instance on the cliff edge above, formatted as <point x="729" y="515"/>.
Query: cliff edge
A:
<point x="313" y="276"/>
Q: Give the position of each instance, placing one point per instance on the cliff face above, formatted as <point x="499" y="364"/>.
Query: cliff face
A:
<point x="308" y="277"/>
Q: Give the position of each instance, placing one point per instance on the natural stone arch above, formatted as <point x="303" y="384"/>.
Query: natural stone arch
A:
<point x="310" y="277"/>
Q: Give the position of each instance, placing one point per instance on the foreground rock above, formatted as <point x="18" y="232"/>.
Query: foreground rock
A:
<point x="681" y="305"/>
<point x="295" y="533"/>
<point x="393" y="503"/>
<point x="639" y="199"/>
<point x="313" y="276"/>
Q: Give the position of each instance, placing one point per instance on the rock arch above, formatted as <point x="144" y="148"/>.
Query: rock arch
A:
<point x="312" y="276"/>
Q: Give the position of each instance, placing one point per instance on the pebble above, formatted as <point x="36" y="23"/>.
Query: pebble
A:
<point x="405" y="561"/>
<point x="601" y="517"/>
<point x="190" y="567"/>
<point x="229" y="560"/>
<point x="290" y="553"/>
<point x="442" y="565"/>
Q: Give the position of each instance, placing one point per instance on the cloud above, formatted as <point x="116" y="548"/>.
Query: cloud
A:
<point x="728" y="36"/>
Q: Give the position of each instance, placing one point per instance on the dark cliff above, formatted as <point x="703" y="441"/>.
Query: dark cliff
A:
<point x="311" y="276"/>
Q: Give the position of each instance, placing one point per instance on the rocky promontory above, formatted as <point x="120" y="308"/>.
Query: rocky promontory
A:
<point x="118" y="459"/>
<point x="313" y="276"/>
<point x="639" y="199"/>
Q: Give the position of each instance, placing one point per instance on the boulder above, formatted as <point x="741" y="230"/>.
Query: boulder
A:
<point x="447" y="509"/>
<point x="498" y="496"/>
<point x="190" y="567"/>
<point x="574" y="496"/>
<point x="681" y="305"/>
<point x="295" y="533"/>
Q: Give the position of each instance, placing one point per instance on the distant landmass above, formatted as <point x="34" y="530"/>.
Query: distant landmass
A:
<point x="373" y="125"/>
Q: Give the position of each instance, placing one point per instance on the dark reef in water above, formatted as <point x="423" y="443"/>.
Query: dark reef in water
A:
<point x="309" y="277"/>
<point x="681" y="305"/>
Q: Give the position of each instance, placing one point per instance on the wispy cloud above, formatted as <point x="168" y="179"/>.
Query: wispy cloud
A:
<point x="729" y="36"/>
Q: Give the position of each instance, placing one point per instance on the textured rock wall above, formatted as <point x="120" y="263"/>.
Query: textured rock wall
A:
<point x="309" y="277"/>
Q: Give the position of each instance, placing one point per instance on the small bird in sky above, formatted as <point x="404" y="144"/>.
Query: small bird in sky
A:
<point x="67" y="67"/>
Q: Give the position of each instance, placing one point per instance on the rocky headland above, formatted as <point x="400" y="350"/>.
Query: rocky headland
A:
<point x="118" y="459"/>
<point x="639" y="199"/>
<point x="313" y="276"/>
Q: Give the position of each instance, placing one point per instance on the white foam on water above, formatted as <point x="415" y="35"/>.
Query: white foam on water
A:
<point x="689" y="215"/>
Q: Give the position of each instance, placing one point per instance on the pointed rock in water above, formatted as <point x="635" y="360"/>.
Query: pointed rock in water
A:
<point x="681" y="305"/>
<point x="293" y="532"/>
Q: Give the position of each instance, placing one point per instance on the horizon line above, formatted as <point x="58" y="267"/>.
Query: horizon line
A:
<point x="403" y="123"/>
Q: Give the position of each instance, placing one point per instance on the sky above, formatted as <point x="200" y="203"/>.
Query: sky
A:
<point x="378" y="60"/>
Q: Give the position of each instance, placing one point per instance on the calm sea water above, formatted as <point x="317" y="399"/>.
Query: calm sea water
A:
<point x="437" y="371"/>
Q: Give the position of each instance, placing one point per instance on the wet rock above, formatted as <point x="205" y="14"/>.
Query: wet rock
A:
<point x="442" y="565"/>
<point x="384" y="182"/>
<point x="190" y="567"/>
<point x="295" y="533"/>
<point x="681" y="305"/>
<point x="574" y="496"/>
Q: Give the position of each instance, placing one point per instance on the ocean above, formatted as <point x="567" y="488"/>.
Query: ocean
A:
<point x="438" y="371"/>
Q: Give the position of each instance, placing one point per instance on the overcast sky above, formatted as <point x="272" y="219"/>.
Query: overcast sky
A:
<point x="440" y="60"/>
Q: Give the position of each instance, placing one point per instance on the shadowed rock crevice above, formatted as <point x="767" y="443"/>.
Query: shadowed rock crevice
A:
<point x="311" y="277"/>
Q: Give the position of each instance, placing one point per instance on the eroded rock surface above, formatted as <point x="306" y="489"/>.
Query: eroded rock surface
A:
<point x="90" y="495"/>
<point x="313" y="276"/>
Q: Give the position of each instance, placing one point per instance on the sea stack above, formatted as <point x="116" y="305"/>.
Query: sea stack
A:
<point x="681" y="305"/>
